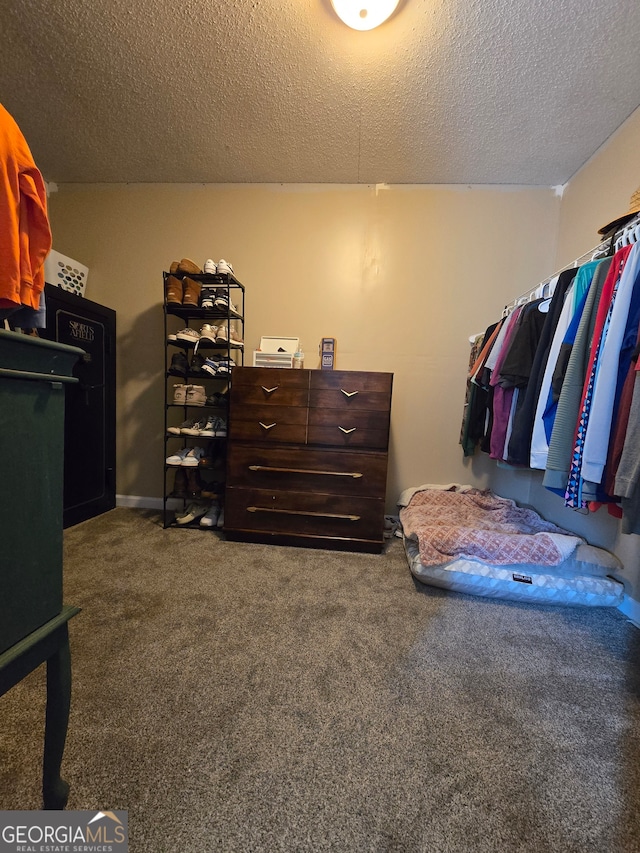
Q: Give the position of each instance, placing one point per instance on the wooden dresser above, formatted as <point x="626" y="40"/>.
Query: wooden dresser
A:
<point x="307" y="457"/>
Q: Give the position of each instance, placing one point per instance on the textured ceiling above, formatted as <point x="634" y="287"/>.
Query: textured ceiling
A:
<point x="447" y="91"/>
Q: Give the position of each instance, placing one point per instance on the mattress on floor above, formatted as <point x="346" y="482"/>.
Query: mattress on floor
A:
<point x="582" y="579"/>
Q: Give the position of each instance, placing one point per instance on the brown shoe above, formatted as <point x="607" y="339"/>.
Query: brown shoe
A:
<point x="188" y="266"/>
<point x="173" y="290"/>
<point x="180" y="484"/>
<point x="191" y="293"/>
<point x="173" y="269"/>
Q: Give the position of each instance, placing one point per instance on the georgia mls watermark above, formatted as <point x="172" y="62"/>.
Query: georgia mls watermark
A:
<point x="64" y="832"/>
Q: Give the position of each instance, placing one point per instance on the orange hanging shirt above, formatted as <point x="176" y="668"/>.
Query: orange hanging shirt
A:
<point x="25" y="235"/>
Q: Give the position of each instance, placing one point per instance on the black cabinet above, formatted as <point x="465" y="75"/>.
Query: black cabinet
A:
<point x="89" y="460"/>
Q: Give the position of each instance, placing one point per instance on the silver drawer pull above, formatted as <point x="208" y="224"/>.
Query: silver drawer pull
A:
<point x="347" y="431"/>
<point x="302" y="512"/>
<point x="348" y="393"/>
<point x="353" y="474"/>
<point x="269" y="390"/>
<point x="266" y="426"/>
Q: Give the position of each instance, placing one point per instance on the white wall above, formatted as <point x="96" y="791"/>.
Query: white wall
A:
<point x="401" y="276"/>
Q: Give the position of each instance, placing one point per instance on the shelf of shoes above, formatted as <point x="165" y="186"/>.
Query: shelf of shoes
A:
<point x="204" y="330"/>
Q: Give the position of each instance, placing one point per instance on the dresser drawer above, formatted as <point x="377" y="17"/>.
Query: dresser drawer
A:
<point x="268" y="414"/>
<point x="350" y="401"/>
<point x="302" y="470"/>
<point x="350" y="381"/>
<point x="348" y="429"/>
<point x="281" y="377"/>
<point x="303" y="514"/>
<point x="267" y="431"/>
<point x="269" y="394"/>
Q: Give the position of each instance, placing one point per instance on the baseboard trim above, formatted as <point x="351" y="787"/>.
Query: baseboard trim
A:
<point x="631" y="609"/>
<point x="144" y="502"/>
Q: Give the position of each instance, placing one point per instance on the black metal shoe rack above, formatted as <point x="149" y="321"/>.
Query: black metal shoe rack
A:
<point x="177" y="317"/>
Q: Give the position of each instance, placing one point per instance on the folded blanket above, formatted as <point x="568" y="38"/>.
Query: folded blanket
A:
<point x="478" y="524"/>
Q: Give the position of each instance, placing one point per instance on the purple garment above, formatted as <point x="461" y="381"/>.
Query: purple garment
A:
<point x="502" y="397"/>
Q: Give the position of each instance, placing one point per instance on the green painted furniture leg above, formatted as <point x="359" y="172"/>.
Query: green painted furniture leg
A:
<point x="55" y="791"/>
<point x="50" y="644"/>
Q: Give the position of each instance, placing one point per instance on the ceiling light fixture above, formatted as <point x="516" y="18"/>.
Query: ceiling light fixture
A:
<point x="364" y="14"/>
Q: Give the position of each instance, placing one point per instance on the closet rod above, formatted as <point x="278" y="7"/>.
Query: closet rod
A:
<point x="607" y="244"/>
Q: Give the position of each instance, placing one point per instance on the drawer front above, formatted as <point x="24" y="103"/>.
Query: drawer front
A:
<point x="350" y="381"/>
<point x="268" y="394"/>
<point x="271" y="376"/>
<point x="335" y="437"/>
<point x="303" y="514"/>
<point x="267" y="431"/>
<point x="300" y="470"/>
<point x="350" y="400"/>
<point x="349" y="421"/>
<point x="268" y="414"/>
<point x="348" y="429"/>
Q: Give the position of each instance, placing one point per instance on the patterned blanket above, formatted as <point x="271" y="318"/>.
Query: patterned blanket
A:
<point x="480" y="525"/>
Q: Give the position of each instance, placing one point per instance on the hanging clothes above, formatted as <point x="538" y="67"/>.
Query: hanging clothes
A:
<point x="573" y="298"/>
<point x="596" y="443"/>
<point x="468" y="446"/>
<point x="520" y="443"/>
<point x="561" y="442"/>
<point x="627" y="484"/>
<point x="517" y="364"/>
<point x="620" y="429"/>
<point x="474" y="424"/>
<point x="502" y="393"/>
<point x="573" y="495"/>
<point x="25" y="235"/>
<point x="559" y="371"/>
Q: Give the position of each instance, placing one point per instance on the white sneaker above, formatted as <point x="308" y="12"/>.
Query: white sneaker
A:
<point x="177" y="458"/>
<point x="226" y="335"/>
<point x="193" y="427"/>
<point x="192" y="457"/>
<point x="176" y="430"/>
<point x="209" y="428"/>
<point x="188" y="336"/>
<point x="210" y="267"/>
<point x="210" y="519"/>
<point x="208" y="333"/>
<point x="193" y="511"/>
<point x="224" y="267"/>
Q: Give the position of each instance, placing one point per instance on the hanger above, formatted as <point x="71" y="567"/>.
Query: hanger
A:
<point x="601" y="251"/>
<point x="626" y="237"/>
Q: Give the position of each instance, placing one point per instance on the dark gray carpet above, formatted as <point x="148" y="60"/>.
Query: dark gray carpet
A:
<point x="242" y="698"/>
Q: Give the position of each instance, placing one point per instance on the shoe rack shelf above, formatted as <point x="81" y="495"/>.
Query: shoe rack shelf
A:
<point x="203" y="364"/>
